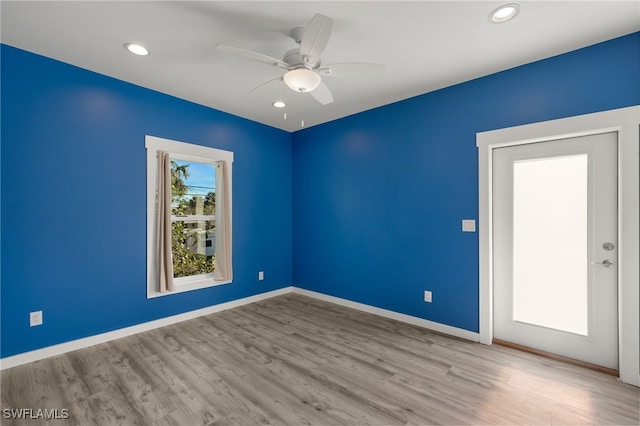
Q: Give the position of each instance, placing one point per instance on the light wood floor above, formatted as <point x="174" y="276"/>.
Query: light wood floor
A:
<point x="293" y="360"/>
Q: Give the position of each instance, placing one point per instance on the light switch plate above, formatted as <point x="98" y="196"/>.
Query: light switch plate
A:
<point x="468" y="225"/>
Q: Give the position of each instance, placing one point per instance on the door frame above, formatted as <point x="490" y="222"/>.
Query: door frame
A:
<point x="626" y="123"/>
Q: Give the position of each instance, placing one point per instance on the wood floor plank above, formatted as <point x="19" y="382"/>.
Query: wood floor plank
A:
<point x="203" y="384"/>
<point x="74" y="392"/>
<point x="241" y="368"/>
<point x="307" y="330"/>
<point x="137" y="387"/>
<point x="278" y="359"/>
<point x="295" y="360"/>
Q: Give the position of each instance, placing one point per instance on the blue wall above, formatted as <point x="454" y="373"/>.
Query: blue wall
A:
<point x="378" y="197"/>
<point x="74" y="209"/>
<point x="375" y="199"/>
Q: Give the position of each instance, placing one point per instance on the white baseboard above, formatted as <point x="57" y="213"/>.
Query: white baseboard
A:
<point x="73" y="345"/>
<point x="430" y="325"/>
<point x="38" y="354"/>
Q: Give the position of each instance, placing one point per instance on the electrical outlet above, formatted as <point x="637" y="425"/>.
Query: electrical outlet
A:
<point x="468" y="225"/>
<point x="261" y="275"/>
<point x="427" y="296"/>
<point x="35" y="318"/>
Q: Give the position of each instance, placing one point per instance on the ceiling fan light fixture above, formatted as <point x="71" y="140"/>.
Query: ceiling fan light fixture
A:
<point x="504" y="13"/>
<point x="279" y="104"/>
<point x="302" y="80"/>
<point x="136" y="49"/>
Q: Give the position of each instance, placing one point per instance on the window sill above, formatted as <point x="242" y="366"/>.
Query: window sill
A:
<point x="194" y="284"/>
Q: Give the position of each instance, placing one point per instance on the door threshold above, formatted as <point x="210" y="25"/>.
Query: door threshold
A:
<point x="557" y="357"/>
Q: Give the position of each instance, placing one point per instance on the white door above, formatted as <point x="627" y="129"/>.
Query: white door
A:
<point x="555" y="247"/>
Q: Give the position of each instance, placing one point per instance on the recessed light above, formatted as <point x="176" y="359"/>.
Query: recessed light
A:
<point x="136" y="49"/>
<point x="279" y="104"/>
<point x="504" y="13"/>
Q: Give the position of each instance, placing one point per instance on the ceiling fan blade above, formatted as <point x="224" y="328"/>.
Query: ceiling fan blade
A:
<point x="316" y="36"/>
<point x="322" y="94"/>
<point x="350" y="69"/>
<point x="253" y="55"/>
<point x="264" y="84"/>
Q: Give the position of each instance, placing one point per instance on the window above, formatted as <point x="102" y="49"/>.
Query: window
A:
<point x="193" y="224"/>
<point x="188" y="216"/>
<point x="550" y="198"/>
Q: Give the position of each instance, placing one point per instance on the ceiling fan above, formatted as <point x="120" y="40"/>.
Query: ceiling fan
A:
<point x="304" y="67"/>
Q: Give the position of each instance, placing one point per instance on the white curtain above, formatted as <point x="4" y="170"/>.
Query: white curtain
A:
<point x="223" y="271"/>
<point x="163" y="225"/>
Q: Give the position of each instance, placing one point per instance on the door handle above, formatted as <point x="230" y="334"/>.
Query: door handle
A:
<point x="606" y="263"/>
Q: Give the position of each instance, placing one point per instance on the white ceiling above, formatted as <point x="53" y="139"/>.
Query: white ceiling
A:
<point x="426" y="45"/>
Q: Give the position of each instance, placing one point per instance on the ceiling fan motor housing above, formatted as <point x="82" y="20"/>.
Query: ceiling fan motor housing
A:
<point x="295" y="59"/>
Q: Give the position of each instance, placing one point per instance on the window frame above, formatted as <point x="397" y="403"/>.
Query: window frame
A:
<point x="187" y="152"/>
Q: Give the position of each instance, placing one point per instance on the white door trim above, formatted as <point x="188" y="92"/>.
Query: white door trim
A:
<point x="624" y="121"/>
